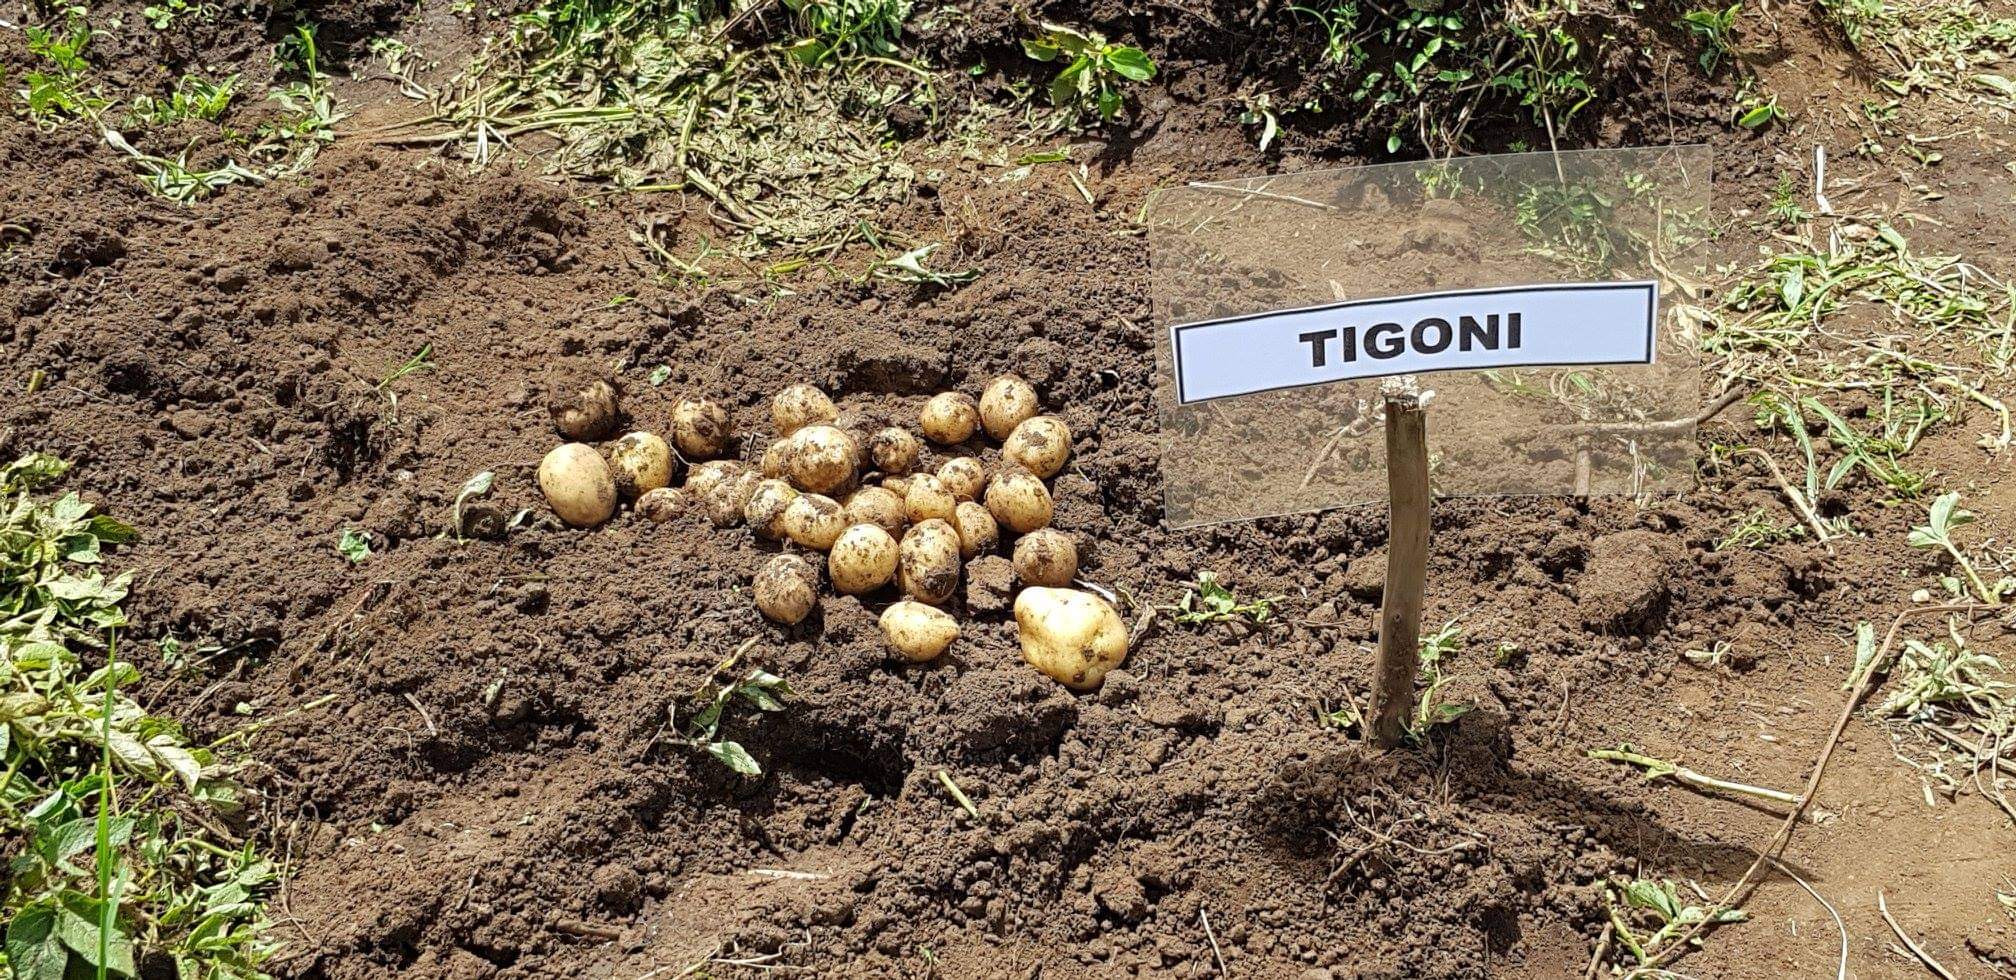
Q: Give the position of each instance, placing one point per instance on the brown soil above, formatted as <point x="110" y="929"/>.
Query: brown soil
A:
<point x="489" y="794"/>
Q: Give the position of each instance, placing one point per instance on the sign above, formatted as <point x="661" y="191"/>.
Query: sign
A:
<point x="1470" y="329"/>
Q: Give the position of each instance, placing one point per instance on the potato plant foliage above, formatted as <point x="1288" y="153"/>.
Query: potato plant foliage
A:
<point x="116" y="863"/>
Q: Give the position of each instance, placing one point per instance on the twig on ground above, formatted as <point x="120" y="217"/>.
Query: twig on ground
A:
<point x="1798" y="499"/>
<point x="1923" y="957"/>
<point x="1841" y="969"/>
<point x="1216" y="956"/>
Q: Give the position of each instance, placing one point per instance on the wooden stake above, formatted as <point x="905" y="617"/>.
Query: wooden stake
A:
<point x="1406" y="569"/>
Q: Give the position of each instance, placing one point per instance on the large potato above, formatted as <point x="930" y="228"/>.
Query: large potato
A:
<point x="577" y="484"/>
<point x="1073" y="636"/>
<point x="584" y="410"/>
<point x="766" y="506"/>
<point x="1042" y="444"/>
<point x="978" y="534"/>
<point x="879" y="506"/>
<point x="700" y="428"/>
<point x="964" y="477"/>
<point x="814" y="521"/>
<point x="918" y="632"/>
<point x="822" y="459"/>
<point x="787" y="589"/>
<point x="1046" y="556"/>
<point x="798" y="406"/>
<point x="1019" y="500"/>
<point x="1006" y="403"/>
<point x="863" y="559"/>
<point x="640" y="463"/>
<point x="729" y="496"/>
<point x="949" y="418"/>
<point x="894" y="450"/>
<point x="929" y="564"/>
<point x="927" y="499"/>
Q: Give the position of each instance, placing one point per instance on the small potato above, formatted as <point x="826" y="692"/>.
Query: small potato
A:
<point x="798" y="406"/>
<point x="640" y="463"/>
<point x="661" y="505"/>
<point x="929" y="565"/>
<point x="703" y="477"/>
<point x="898" y="485"/>
<point x="918" y="632"/>
<point x="927" y="499"/>
<point x="1046" y="557"/>
<point x="766" y="506"/>
<point x="729" y="497"/>
<point x="978" y="534"/>
<point x="814" y="521"/>
<point x="877" y="506"/>
<point x="862" y="560"/>
<point x="964" y="477"/>
<point x="1007" y="403"/>
<point x="949" y="418"/>
<point x="894" y="451"/>
<point x="776" y="463"/>
<point x="1043" y="444"/>
<point x="1072" y="636"/>
<point x="700" y="428"/>
<point x="584" y="411"/>
<point x="577" y="484"/>
<point x="822" y="458"/>
<point x="1019" y="500"/>
<point x="787" y="589"/>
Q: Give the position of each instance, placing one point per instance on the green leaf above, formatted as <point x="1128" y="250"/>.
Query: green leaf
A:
<point x="1109" y="103"/>
<point x="1065" y="87"/>
<point x="77" y="925"/>
<point x="734" y="757"/>
<point x="1130" y="63"/>
<point x="1041" y="49"/>
<point x="659" y="375"/>
<point x="354" y="545"/>
<point x="33" y="950"/>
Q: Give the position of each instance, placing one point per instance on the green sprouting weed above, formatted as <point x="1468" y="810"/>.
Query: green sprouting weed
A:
<point x="1943" y="516"/>
<point x="1715" y="29"/>
<point x="1643" y="903"/>
<point x="418" y="363"/>
<point x="1756" y="110"/>
<point x="58" y="94"/>
<point x="1259" y="111"/>
<point x="354" y="545"/>
<point x="1209" y="602"/>
<point x="1429" y="707"/>
<point x="759" y="688"/>
<point x="842" y="29"/>
<point x="1785" y="204"/>
<point x="1093" y="69"/>
<point x="194" y="98"/>
<point x="174" y="179"/>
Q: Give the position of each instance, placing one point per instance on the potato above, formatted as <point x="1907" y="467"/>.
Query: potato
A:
<point x="700" y="428"/>
<point x="1046" y="556"/>
<point x="898" y="485"/>
<point x="918" y="632"/>
<point x="798" y="406"/>
<point x="963" y="477"/>
<point x="776" y="464"/>
<point x="640" y="463"/>
<point x="1007" y="402"/>
<point x="729" y="497"/>
<point x="822" y="458"/>
<point x="584" y="411"/>
<point x="1019" y="500"/>
<point x="1073" y="636"/>
<point x="927" y="499"/>
<point x="661" y="505"/>
<point x="787" y="589"/>
<point x="577" y="484"/>
<point x="978" y="534"/>
<point x="862" y="560"/>
<point x="765" y="509"/>
<point x="703" y="477"/>
<point x="949" y="418"/>
<point x="1042" y="444"/>
<point x="929" y="565"/>
<point x="814" y="521"/>
<point x="894" y="450"/>
<point x="877" y="506"/>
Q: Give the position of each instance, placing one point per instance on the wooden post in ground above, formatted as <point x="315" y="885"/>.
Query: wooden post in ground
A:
<point x="1406" y="567"/>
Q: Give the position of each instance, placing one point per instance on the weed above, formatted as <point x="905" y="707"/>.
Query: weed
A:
<point x="835" y="29"/>
<point x="1429" y="707"/>
<point x="1756" y="529"/>
<point x="1717" y="654"/>
<point x="909" y="267"/>
<point x="1658" y="906"/>
<point x="1093" y="69"/>
<point x="174" y="179"/>
<point x="1755" y="109"/>
<point x="1931" y="677"/>
<point x="1715" y="29"/>
<point x="162" y="16"/>
<point x="194" y="98"/>
<point x="1209" y="602"/>
<point x="354" y="545"/>
<point x="1942" y="517"/>
<point x="1785" y="204"/>
<point x="1937" y="47"/>
<point x="418" y="363"/>
<point x="757" y="687"/>
<point x="309" y="113"/>
<point x="1547" y="77"/>
<point x="60" y="93"/>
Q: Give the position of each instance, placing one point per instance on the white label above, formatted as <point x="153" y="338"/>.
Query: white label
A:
<point x="1471" y="329"/>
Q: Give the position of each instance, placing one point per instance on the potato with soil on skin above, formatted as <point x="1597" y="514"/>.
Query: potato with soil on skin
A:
<point x="640" y="463"/>
<point x="898" y="485"/>
<point x="963" y="476"/>
<point x="577" y="484"/>
<point x="700" y="428"/>
<point x="929" y="562"/>
<point x="787" y="589"/>
<point x="1072" y="636"/>
<point x="894" y="451"/>
<point x="814" y="521"/>
<point x="584" y="410"/>
<point x="776" y="463"/>
<point x="822" y="459"/>
<point x="1046" y="557"/>
<point x="662" y="505"/>
<point x="863" y="559"/>
<point x="978" y="534"/>
<point x="703" y="477"/>
<point x="1042" y="445"/>
<point x="728" y="497"/>
<point x="949" y="418"/>
<point x="766" y="506"/>
<point x="1007" y="403"/>
<point x="877" y="506"/>
<point x="798" y="406"/>
<point x="918" y="632"/>
<point x="1019" y="500"/>
<point x="927" y="499"/>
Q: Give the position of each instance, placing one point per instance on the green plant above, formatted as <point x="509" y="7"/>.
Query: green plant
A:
<point x="472" y="488"/>
<point x="1093" y="69"/>
<point x="1715" y="28"/>
<point x="354" y="545"/>
<point x="193" y="98"/>
<point x="1207" y="601"/>
<point x="1656" y="768"/>
<point x="759" y="688"/>
<point x="1756" y="110"/>
<point x="1642" y="903"/>
<point x="1785" y="204"/>
<point x="309" y="113"/>
<point x="1756" y="529"/>
<point x="1429" y="707"/>
<point x="1942" y="517"/>
<point x="1547" y="76"/>
<point x="57" y="94"/>
<point x="1931" y="676"/>
<point x="847" y="28"/>
<point x="417" y="364"/>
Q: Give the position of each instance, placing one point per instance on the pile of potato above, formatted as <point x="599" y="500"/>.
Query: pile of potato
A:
<point x="884" y="522"/>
